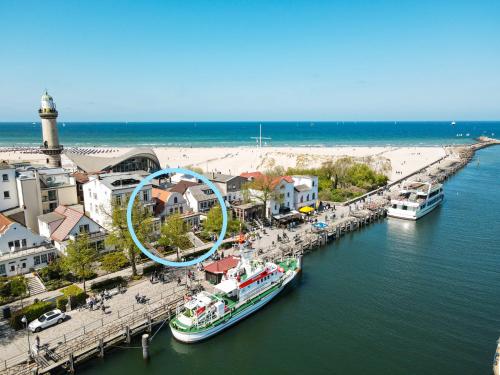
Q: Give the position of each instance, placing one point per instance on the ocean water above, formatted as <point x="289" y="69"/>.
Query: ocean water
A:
<point x="240" y="133"/>
<point x="396" y="297"/>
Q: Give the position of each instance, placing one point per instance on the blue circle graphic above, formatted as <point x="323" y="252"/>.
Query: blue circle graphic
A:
<point x="161" y="260"/>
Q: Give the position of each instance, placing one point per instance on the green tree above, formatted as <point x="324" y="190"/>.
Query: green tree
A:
<point x="174" y="233"/>
<point x="120" y="237"/>
<point x="80" y="257"/>
<point x="114" y="261"/>
<point x="262" y="188"/>
<point x="213" y="222"/>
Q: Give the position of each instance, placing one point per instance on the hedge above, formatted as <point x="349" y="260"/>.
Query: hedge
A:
<point x="31" y="312"/>
<point x="75" y="294"/>
<point x="61" y="303"/>
<point x="110" y="283"/>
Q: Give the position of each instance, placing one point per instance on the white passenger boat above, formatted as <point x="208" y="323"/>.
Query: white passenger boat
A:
<point x="416" y="199"/>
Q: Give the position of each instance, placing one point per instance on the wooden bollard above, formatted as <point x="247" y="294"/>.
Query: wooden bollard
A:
<point x="127" y="334"/>
<point x="71" y="362"/>
<point x="101" y="348"/>
<point x="145" y="346"/>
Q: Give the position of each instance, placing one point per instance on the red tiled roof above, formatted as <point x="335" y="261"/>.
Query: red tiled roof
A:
<point x="275" y="181"/>
<point x="71" y="218"/>
<point x="81" y="177"/>
<point x="182" y="186"/>
<point x="5" y="222"/>
<point x="252" y="175"/>
<point x="222" y="265"/>
<point x="161" y="197"/>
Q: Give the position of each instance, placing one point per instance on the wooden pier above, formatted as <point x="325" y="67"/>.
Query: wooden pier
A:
<point x="64" y="353"/>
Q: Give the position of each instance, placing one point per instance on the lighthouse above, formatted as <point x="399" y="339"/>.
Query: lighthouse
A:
<point x="50" y="146"/>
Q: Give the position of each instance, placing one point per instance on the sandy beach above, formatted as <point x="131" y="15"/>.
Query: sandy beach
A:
<point x="396" y="162"/>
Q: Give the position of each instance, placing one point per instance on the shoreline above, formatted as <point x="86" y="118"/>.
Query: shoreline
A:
<point x="395" y="161"/>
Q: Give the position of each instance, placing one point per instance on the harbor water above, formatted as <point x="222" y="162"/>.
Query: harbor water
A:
<point x="397" y="297"/>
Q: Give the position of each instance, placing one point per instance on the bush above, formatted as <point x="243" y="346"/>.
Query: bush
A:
<point x="31" y="312"/>
<point x="146" y="270"/>
<point x="75" y="294"/>
<point x="12" y="288"/>
<point x="54" y="276"/>
<point x="61" y="303"/>
<point x="110" y="283"/>
<point x="114" y="261"/>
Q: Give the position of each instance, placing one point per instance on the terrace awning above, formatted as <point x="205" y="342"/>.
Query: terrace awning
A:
<point x="306" y="209"/>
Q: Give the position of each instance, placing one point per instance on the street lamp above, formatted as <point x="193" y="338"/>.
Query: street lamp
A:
<point x="25" y="322"/>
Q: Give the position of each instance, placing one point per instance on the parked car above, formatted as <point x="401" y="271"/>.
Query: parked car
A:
<point x="48" y="319"/>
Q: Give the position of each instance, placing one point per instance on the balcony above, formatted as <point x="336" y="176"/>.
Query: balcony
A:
<point x="93" y="236"/>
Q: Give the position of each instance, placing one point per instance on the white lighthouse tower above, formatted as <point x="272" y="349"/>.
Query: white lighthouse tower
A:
<point x="50" y="146"/>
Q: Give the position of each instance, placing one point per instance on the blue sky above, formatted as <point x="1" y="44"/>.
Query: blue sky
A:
<point x="251" y="60"/>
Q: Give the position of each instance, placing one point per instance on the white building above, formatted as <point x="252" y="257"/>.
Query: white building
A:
<point x="200" y="198"/>
<point x="102" y="190"/>
<point x="40" y="191"/>
<point x="21" y="250"/>
<point x="8" y="188"/>
<point x="178" y="177"/>
<point x="281" y="200"/>
<point x="66" y="223"/>
<point x="305" y="191"/>
<point x="168" y="203"/>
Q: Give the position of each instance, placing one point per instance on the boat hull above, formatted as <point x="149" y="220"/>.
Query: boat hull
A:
<point x="193" y="337"/>
<point x="412" y="215"/>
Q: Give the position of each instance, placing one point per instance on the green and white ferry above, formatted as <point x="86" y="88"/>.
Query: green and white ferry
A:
<point x="242" y="291"/>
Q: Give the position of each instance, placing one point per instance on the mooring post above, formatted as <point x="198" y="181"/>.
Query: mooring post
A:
<point x="101" y="348"/>
<point x="71" y="362"/>
<point x="127" y="334"/>
<point x="145" y="346"/>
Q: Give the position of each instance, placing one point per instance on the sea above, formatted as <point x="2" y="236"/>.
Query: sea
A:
<point x="396" y="297"/>
<point x="228" y="134"/>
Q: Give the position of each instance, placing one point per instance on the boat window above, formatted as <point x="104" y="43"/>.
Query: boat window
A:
<point x="394" y="206"/>
<point x="405" y="207"/>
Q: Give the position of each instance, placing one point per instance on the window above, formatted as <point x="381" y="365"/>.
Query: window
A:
<point x="2" y="269"/>
<point x="301" y="199"/>
<point x="52" y="195"/>
<point x="11" y="244"/>
<point x="37" y="260"/>
<point x="314" y="196"/>
<point x="313" y="182"/>
<point x="23" y="242"/>
<point x="175" y="200"/>
<point x="85" y="228"/>
<point x="44" y="258"/>
<point x="145" y="196"/>
<point x="307" y="198"/>
<point x="5" y="177"/>
<point x="12" y="268"/>
<point x="6" y="194"/>
<point x="118" y="200"/>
